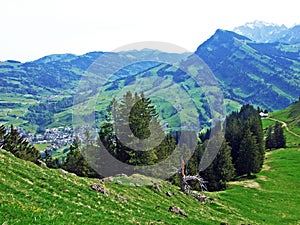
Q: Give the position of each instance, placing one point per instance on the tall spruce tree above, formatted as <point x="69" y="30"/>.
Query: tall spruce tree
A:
<point x="2" y="134"/>
<point x="270" y="138"/>
<point x="275" y="137"/>
<point x="221" y="169"/>
<point x="248" y="158"/>
<point x="137" y="113"/>
<point x="234" y="134"/>
<point x="239" y="125"/>
<point x="279" y="137"/>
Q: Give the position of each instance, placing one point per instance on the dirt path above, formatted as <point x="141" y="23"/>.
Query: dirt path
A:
<point x="284" y="124"/>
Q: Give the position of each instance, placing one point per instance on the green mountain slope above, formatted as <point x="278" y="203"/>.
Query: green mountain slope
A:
<point x="290" y="117"/>
<point x="53" y="78"/>
<point x="264" y="74"/>
<point x="290" y="120"/>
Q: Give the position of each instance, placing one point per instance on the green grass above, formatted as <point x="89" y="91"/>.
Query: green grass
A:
<point x="41" y="147"/>
<point x="30" y="194"/>
<point x="289" y="114"/>
<point x="267" y="122"/>
<point x="60" y="153"/>
<point x="293" y="141"/>
<point x="273" y="197"/>
<point x="232" y="106"/>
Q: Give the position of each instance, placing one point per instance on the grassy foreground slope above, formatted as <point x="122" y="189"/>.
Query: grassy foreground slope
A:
<point x="30" y="194"/>
<point x="274" y="196"/>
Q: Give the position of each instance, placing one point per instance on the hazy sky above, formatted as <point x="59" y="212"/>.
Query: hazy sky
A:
<point x="31" y="29"/>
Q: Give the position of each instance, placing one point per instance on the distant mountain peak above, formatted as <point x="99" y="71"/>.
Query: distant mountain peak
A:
<point x="262" y="24"/>
<point x="265" y="32"/>
<point x="231" y="34"/>
<point x="223" y="36"/>
<point x="251" y="70"/>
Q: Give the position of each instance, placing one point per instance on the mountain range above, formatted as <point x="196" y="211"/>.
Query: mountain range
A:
<point x="263" y="72"/>
<point x="263" y="32"/>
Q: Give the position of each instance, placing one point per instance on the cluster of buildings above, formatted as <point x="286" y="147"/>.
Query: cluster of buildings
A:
<point x="55" y="137"/>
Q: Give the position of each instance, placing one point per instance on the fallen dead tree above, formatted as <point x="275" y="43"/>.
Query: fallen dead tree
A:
<point x="185" y="187"/>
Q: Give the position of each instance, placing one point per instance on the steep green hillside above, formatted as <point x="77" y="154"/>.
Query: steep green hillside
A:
<point x="290" y="120"/>
<point x="46" y="80"/>
<point x="53" y="78"/>
<point x="291" y="116"/>
<point x="31" y="194"/>
<point x="264" y="74"/>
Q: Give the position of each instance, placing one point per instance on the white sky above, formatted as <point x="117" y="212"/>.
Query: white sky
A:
<point x="31" y="29"/>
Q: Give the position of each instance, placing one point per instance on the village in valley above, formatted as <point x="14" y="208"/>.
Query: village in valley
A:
<point x="54" y="138"/>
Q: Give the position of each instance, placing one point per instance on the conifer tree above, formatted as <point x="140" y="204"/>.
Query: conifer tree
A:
<point x="50" y="162"/>
<point x="239" y="126"/>
<point x="270" y="138"/>
<point x="221" y="170"/>
<point x="13" y="142"/>
<point x="275" y="137"/>
<point x="2" y="134"/>
<point x="233" y="134"/>
<point x="279" y="138"/>
<point x="77" y="163"/>
<point x="137" y="113"/>
<point x="248" y="158"/>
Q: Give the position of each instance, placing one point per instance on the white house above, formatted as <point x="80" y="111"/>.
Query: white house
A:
<point x="262" y="114"/>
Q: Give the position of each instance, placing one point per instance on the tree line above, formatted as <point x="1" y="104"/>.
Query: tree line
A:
<point x="275" y="137"/>
<point x="12" y="141"/>
<point x="241" y="152"/>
